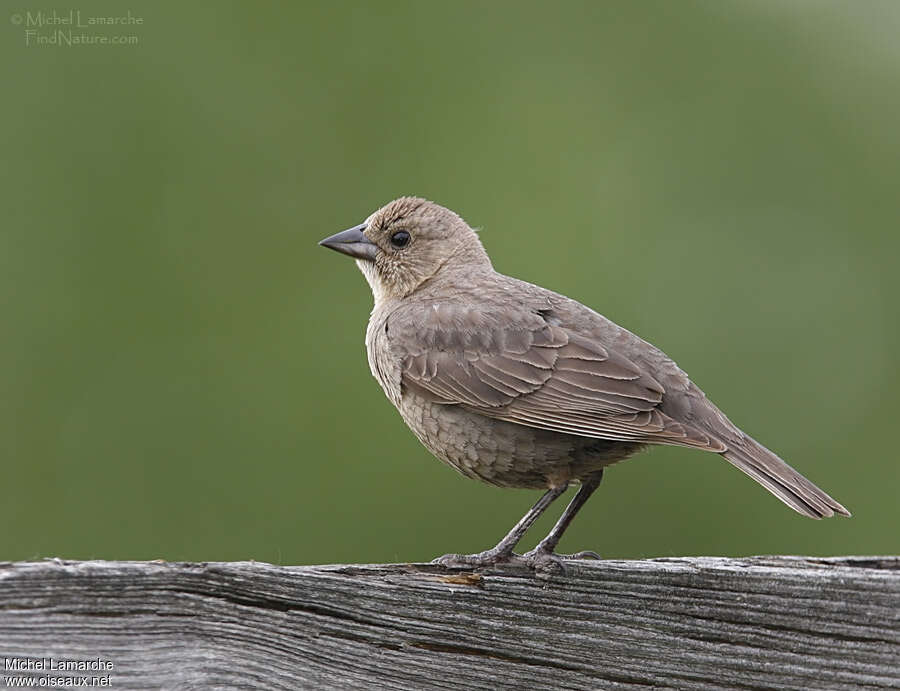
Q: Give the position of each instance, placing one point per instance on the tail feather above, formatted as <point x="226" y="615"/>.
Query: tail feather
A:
<point x="780" y="479"/>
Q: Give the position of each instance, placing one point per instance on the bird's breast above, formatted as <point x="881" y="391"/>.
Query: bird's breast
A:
<point x="384" y="366"/>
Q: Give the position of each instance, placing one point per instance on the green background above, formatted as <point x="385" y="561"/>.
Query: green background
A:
<point x="182" y="369"/>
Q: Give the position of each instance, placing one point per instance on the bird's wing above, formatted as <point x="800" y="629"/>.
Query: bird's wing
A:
<point x="513" y="364"/>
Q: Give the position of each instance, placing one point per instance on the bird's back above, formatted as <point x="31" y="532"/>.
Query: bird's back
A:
<point x="494" y="357"/>
<point x="684" y="402"/>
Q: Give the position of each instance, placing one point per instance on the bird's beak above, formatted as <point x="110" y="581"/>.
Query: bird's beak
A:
<point x="352" y="242"/>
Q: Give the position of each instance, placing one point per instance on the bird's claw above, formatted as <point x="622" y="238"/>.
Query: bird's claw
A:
<point x="584" y="554"/>
<point x="543" y="562"/>
<point x="487" y="558"/>
<point x="547" y="563"/>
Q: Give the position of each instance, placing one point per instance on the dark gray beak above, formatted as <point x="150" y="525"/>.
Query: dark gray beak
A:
<point x="352" y="242"/>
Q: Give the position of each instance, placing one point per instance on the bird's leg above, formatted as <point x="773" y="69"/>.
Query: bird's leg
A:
<point x="544" y="555"/>
<point x="503" y="551"/>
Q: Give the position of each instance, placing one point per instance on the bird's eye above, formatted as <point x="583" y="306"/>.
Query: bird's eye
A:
<point x="400" y="239"/>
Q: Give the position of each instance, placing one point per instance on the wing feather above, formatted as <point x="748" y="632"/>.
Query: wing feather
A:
<point x="516" y="366"/>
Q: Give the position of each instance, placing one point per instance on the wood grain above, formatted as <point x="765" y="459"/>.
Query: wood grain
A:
<point x="762" y="622"/>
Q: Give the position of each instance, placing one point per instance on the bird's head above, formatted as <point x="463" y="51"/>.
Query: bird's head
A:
<point x="408" y="242"/>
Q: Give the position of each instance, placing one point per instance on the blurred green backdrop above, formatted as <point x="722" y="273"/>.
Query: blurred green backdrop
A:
<point x="182" y="369"/>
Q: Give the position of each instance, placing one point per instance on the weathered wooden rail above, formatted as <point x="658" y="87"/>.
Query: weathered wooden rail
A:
<point x="762" y="622"/>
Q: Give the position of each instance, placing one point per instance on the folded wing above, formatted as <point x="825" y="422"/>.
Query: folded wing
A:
<point x="519" y="367"/>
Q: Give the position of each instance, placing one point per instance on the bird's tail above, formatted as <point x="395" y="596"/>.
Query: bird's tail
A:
<point x="780" y="479"/>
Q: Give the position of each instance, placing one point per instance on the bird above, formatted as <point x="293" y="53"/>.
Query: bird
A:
<point x="518" y="386"/>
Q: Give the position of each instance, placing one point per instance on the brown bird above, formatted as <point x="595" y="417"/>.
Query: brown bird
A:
<point x="518" y="386"/>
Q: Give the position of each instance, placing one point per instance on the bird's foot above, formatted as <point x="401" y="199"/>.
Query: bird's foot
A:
<point x="543" y="561"/>
<point x="546" y="562"/>
<point x="490" y="557"/>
